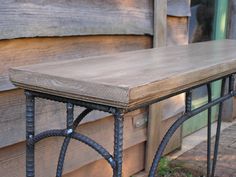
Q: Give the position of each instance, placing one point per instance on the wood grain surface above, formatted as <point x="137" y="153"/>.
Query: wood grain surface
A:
<point x="32" y="18"/>
<point x="20" y="52"/>
<point x="131" y="78"/>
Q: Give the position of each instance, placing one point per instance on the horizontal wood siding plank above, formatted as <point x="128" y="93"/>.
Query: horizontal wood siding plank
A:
<point x="31" y="18"/>
<point x="19" y="52"/>
<point x="12" y="158"/>
<point x="49" y="115"/>
<point x="38" y="50"/>
<point x="177" y="31"/>
<point x="180" y="8"/>
<point x="133" y="162"/>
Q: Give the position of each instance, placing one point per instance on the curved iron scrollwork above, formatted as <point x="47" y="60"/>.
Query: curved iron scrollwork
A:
<point x="67" y="141"/>
<point x="189" y="114"/>
<point x="118" y="144"/>
<point x="77" y="136"/>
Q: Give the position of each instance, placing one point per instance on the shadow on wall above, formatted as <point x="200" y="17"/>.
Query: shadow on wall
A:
<point x="201" y="23"/>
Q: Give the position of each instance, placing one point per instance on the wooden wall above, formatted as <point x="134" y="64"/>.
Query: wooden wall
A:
<point x="31" y="18"/>
<point x="42" y="31"/>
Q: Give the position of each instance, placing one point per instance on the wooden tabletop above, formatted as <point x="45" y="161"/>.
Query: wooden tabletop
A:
<point x="129" y="79"/>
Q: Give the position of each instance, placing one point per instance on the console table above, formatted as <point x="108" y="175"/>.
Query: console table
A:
<point x="123" y="82"/>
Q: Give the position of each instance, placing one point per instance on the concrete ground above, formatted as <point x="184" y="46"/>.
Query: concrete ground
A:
<point x="194" y="152"/>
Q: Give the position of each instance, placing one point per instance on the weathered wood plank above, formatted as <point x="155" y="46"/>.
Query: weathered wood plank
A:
<point x="162" y="114"/>
<point x="177" y="34"/>
<point x="49" y="115"/>
<point x="131" y="78"/>
<point x="12" y="158"/>
<point x="180" y="8"/>
<point x="160" y="23"/>
<point x="228" y="110"/>
<point x="133" y="162"/>
<point x="177" y="31"/>
<point x="38" y="50"/>
<point x="28" y="51"/>
<point x="234" y="109"/>
<point x="5" y="84"/>
<point x="31" y="18"/>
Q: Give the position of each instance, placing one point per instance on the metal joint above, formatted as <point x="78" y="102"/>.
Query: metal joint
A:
<point x="188" y="101"/>
<point x="69" y="131"/>
<point x="112" y="162"/>
<point x="28" y="93"/>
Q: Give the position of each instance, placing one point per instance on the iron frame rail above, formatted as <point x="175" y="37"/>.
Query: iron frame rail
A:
<point x="115" y="160"/>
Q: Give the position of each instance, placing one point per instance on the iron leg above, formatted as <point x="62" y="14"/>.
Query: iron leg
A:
<point x="30" y="106"/>
<point x="118" y="144"/>
<point x="209" y="132"/>
<point x="217" y="138"/>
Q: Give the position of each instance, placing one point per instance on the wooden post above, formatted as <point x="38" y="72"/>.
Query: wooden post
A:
<point x="160" y="23"/>
<point x="159" y="40"/>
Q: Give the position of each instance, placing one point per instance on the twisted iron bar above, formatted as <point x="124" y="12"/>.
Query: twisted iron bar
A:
<point x="209" y="93"/>
<point x="77" y="136"/>
<point x="67" y="141"/>
<point x="179" y="122"/>
<point x="80" y="103"/>
<point x="188" y="101"/>
<point x="217" y="138"/>
<point x="118" y="143"/>
<point x="69" y="115"/>
<point x="62" y="155"/>
<point x="69" y="122"/>
<point x="231" y="83"/>
<point x="30" y="127"/>
<point x="80" y="118"/>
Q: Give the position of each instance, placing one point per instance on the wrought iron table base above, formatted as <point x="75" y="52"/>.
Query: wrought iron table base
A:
<point x="115" y="160"/>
